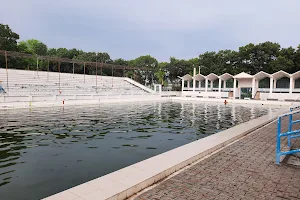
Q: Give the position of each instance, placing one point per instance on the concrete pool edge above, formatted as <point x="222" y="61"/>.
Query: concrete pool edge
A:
<point x="45" y="104"/>
<point x="119" y="99"/>
<point x="128" y="181"/>
<point x="236" y="101"/>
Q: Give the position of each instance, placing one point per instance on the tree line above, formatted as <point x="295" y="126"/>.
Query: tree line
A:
<point x="251" y="58"/>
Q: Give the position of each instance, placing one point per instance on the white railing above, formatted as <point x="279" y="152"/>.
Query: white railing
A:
<point x="187" y="89"/>
<point x="296" y="90"/>
<point x="275" y="90"/>
<point x="263" y="89"/>
<point x="199" y="89"/>
<point x="226" y="89"/>
<point x="281" y="90"/>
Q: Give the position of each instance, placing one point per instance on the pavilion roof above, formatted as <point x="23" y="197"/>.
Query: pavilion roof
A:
<point x="226" y="76"/>
<point x="242" y="75"/>
<point x="212" y="76"/>
<point x="280" y="74"/>
<point x="187" y="77"/>
<point x="261" y="75"/>
<point x="199" y="77"/>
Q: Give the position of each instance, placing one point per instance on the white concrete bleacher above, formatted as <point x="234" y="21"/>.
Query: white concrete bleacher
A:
<point x="25" y="82"/>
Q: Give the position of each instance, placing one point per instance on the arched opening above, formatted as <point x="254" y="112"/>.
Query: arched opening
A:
<point x="216" y="84"/>
<point x="197" y="84"/>
<point x="191" y="84"/>
<point x="297" y="83"/>
<point x="185" y="83"/>
<point x="264" y="83"/>
<point x="229" y="83"/>
<point x="202" y="84"/>
<point x="283" y="82"/>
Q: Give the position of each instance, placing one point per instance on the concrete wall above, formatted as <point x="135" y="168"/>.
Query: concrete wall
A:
<point x="171" y="93"/>
<point x="31" y="98"/>
<point x="63" y="100"/>
<point x="245" y="83"/>
<point x="206" y="94"/>
<point x="280" y="96"/>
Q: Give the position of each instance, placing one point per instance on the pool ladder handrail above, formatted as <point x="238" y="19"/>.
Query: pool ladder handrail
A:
<point x="290" y="134"/>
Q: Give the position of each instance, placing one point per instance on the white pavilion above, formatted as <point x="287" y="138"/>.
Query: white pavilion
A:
<point x="278" y="86"/>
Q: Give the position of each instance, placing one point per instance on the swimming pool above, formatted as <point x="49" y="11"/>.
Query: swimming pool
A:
<point x="46" y="150"/>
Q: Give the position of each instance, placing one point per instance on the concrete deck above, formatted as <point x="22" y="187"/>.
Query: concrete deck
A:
<point x="13" y="102"/>
<point x="243" y="170"/>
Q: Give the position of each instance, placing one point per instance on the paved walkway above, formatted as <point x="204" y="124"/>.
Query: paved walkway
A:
<point x="243" y="170"/>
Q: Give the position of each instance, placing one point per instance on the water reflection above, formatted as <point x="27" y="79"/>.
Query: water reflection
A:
<point x="47" y="150"/>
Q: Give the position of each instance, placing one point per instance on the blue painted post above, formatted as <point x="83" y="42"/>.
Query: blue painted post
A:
<point x="278" y="141"/>
<point x="290" y="128"/>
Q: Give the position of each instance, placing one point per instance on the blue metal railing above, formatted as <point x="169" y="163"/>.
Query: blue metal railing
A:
<point x="290" y="134"/>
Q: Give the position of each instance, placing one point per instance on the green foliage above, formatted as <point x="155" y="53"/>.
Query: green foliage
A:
<point x="160" y="74"/>
<point x="120" y="61"/>
<point x="33" y="46"/>
<point x="8" y="38"/>
<point x="145" y="61"/>
<point x="178" y="67"/>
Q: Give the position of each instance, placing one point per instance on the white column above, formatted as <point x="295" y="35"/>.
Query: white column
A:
<point x="271" y="85"/>
<point x="234" y="88"/>
<point x="211" y="85"/>
<point x="224" y="86"/>
<point x="291" y="84"/>
<point x="182" y="84"/>
<point x="275" y="82"/>
<point x="200" y="84"/>
<point x="206" y="84"/>
<point x="188" y="85"/>
<point x="253" y="88"/>
<point x="194" y="83"/>
<point x="220" y="84"/>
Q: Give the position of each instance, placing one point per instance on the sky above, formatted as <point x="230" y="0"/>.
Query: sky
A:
<point x="161" y="28"/>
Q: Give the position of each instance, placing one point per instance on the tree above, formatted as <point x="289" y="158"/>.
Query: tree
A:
<point x="8" y="41"/>
<point x="103" y="57"/>
<point x="160" y="73"/>
<point x="8" y="38"/>
<point x="120" y="61"/>
<point x="145" y="61"/>
<point x="178" y="68"/>
<point x="296" y="58"/>
<point x="255" y="58"/>
<point x="52" y="52"/>
<point x="281" y="63"/>
<point x="33" y="46"/>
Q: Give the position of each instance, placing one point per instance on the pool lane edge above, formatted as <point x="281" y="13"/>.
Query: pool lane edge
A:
<point x="130" y="180"/>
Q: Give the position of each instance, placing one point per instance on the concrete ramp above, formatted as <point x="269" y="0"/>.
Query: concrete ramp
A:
<point x="139" y="85"/>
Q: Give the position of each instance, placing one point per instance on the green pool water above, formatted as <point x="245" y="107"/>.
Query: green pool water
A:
<point x="47" y="150"/>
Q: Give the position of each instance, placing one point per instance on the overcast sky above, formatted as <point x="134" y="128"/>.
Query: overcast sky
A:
<point x="161" y="28"/>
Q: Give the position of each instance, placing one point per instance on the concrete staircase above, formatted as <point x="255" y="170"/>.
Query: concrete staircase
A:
<point x="25" y="82"/>
<point x="257" y="95"/>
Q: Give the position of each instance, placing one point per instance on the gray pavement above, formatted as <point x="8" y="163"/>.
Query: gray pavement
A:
<point x="245" y="169"/>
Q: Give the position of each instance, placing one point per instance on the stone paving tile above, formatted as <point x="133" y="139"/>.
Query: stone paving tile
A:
<point x="244" y="170"/>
